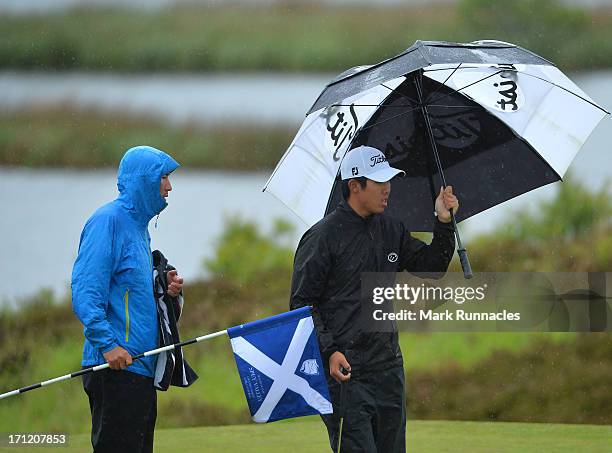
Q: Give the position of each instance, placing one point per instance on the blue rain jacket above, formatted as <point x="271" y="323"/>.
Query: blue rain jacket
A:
<point x="112" y="278"/>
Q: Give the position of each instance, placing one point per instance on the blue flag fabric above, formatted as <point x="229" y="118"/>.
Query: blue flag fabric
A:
<point x="280" y="366"/>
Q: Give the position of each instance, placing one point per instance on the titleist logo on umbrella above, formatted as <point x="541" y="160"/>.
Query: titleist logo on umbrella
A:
<point x="343" y="128"/>
<point x="510" y="94"/>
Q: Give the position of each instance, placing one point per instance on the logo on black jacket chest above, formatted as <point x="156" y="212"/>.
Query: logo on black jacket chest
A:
<point x="392" y="257"/>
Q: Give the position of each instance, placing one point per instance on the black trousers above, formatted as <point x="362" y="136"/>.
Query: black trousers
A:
<point x="375" y="413"/>
<point x="123" y="411"/>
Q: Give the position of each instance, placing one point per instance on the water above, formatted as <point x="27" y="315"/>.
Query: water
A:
<point x="211" y="100"/>
<point x="224" y="100"/>
<point x="22" y="7"/>
<point x="44" y="210"/>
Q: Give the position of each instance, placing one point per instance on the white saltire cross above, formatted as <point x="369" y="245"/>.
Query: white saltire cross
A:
<point x="284" y="376"/>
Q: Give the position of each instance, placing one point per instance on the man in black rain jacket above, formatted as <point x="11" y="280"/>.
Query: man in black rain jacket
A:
<point x="331" y="256"/>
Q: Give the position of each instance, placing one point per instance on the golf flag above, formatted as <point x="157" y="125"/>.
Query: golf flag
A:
<point x="280" y="366"/>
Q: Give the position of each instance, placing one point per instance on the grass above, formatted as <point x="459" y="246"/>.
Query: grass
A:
<point x="234" y="38"/>
<point x="64" y="138"/>
<point x="435" y="350"/>
<point x="308" y="435"/>
<point x="290" y="37"/>
<point x="217" y="398"/>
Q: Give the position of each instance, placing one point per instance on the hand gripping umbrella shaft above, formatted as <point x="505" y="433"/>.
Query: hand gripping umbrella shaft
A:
<point x="463" y="257"/>
<point x="106" y="365"/>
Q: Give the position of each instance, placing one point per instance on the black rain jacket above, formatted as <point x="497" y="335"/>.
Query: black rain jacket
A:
<point x="328" y="264"/>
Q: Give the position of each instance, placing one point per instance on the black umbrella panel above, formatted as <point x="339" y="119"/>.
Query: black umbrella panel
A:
<point x="438" y="136"/>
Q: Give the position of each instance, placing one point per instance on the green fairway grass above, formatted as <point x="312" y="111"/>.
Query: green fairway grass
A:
<point x="308" y="435"/>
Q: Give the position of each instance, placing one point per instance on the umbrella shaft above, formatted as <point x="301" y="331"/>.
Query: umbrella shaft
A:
<point x="433" y="144"/>
<point x="434" y="148"/>
<point x="465" y="263"/>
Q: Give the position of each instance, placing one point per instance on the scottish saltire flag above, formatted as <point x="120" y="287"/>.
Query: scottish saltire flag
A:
<point x="280" y="366"/>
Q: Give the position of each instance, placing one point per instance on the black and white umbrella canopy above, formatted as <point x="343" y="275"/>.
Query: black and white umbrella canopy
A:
<point x="503" y="120"/>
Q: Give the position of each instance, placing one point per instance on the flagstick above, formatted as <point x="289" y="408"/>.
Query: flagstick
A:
<point x="340" y="435"/>
<point x="342" y="411"/>
<point x="106" y="365"/>
<point x="463" y="257"/>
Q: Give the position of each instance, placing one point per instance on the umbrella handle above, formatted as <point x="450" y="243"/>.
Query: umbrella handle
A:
<point x="465" y="263"/>
<point x="461" y="251"/>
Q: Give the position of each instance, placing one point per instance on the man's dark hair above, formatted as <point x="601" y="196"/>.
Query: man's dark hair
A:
<point x="362" y="180"/>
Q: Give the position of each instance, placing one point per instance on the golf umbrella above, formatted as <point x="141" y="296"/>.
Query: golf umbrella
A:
<point x="490" y="118"/>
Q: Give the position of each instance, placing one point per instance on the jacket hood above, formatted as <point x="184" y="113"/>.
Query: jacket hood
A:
<point x="138" y="181"/>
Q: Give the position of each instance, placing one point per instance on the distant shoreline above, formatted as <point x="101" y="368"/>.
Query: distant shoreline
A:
<point x="288" y="37"/>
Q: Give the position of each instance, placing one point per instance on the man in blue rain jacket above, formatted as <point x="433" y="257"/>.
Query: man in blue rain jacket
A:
<point x="112" y="295"/>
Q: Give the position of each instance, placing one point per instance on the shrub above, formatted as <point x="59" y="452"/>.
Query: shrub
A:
<point x="562" y="382"/>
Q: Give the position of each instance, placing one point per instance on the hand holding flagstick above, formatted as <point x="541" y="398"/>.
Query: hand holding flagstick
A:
<point x="118" y="358"/>
<point x="338" y="363"/>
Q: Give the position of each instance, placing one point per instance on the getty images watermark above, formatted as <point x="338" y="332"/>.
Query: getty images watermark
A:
<point x="518" y="302"/>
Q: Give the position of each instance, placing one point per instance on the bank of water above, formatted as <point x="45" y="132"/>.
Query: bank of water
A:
<point x="44" y="210"/>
